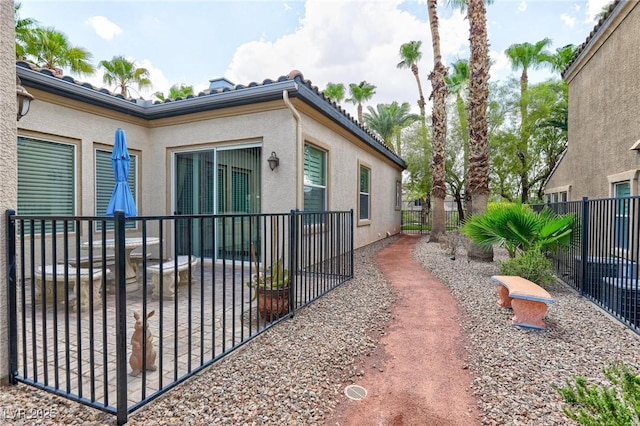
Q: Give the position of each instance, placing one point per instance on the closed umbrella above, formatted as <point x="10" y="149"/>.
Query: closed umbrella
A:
<point x="121" y="198"/>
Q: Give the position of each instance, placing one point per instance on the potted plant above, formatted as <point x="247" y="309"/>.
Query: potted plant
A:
<point x="271" y="290"/>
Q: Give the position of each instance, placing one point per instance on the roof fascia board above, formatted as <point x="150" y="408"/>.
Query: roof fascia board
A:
<point x="77" y="92"/>
<point x="614" y="19"/>
<point x="329" y="110"/>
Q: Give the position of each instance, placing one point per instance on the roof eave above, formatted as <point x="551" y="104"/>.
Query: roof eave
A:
<point x="330" y="111"/>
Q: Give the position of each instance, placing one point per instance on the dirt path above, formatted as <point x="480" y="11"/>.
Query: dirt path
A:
<point x="416" y="375"/>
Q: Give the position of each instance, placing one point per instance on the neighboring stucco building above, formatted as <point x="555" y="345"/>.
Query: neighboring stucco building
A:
<point x="603" y="153"/>
<point x="205" y="154"/>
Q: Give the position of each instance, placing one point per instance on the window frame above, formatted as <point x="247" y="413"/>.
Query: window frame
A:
<point x="312" y="185"/>
<point x="73" y="180"/>
<point x="623" y="236"/>
<point x="362" y="221"/>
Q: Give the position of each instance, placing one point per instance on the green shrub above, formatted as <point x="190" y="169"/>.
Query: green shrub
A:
<point x="518" y="228"/>
<point x="531" y="265"/>
<point x="616" y="405"/>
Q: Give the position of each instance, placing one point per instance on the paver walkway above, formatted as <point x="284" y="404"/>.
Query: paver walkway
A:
<point x="417" y="374"/>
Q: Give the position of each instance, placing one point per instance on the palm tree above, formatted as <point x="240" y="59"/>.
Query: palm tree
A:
<point x="50" y="49"/>
<point x="388" y="120"/>
<point x="23" y="27"/>
<point x="478" y="172"/>
<point x="562" y="57"/>
<point x="176" y="91"/>
<point x="457" y="83"/>
<point x="122" y="73"/>
<point x="361" y="93"/>
<point x="439" y="127"/>
<point x="335" y="92"/>
<point x="526" y="56"/>
<point x="410" y="54"/>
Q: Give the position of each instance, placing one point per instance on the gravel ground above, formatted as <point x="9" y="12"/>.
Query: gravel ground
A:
<point x="515" y="368"/>
<point x="294" y="373"/>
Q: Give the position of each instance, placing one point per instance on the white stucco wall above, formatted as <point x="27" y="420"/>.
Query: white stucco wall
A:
<point x="8" y="171"/>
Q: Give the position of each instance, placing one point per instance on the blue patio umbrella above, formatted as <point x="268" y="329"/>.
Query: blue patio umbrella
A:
<point x="121" y="198"/>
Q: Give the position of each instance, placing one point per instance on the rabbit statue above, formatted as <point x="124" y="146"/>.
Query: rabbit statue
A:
<point x="135" y="361"/>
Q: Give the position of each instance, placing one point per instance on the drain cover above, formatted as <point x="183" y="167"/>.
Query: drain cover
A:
<point x="355" y="392"/>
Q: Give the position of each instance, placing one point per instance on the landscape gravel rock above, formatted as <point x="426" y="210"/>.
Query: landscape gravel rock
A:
<point x="516" y="369"/>
<point x="295" y="373"/>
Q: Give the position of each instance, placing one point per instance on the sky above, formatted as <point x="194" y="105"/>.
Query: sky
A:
<point x="339" y="41"/>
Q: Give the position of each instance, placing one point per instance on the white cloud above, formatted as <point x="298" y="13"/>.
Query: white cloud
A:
<point x="104" y="27"/>
<point x="594" y="7"/>
<point x="347" y="42"/>
<point x="522" y="7"/>
<point x="569" y="21"/>
<point x="500" y="65"/>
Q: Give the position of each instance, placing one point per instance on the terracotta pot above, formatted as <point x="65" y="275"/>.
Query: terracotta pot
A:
<point x="273" y="303"/>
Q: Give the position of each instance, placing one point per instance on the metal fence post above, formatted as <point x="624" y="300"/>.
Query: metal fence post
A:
<point x="293" y="249"/>
<point x="351" y="248"/>
<point x="12" y="310"/>
<point x="584" y="242"/>
<point x="121" y="319"/>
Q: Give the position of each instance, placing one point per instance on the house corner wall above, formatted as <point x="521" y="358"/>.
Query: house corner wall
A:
<point x="8" y="153"/>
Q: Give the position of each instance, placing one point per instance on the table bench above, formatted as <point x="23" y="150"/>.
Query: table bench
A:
<point x="528" y="300"/>
<point x="59" y="278"/>
<point x="169" y="269"/>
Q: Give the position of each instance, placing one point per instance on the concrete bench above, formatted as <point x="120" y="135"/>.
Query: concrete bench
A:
<point x="169" y="269"/>
<point x="137" y="259"/>
<point x="528" y="300"/>
<point x="47" y="273"/>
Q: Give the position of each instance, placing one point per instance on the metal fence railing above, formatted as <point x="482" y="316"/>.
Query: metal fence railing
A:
<point x="602" y="264"/>
<point x="417" y="221"/>
<point x="113" y="312"/>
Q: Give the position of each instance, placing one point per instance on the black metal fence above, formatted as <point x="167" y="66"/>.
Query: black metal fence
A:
<point x="113" y="312"/>
<point x="418" y="221"/>
<point x="603" y="262"/>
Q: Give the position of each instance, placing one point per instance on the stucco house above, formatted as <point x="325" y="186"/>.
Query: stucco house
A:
<point x="602" y="158"/>
<point x="206" y="154"/>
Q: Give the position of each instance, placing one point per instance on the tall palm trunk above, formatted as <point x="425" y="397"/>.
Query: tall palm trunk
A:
<point x="464" y="126"/>
<point x="478" y="174"/>
<point x="439" y="127"/>
<point x="421" y="102"/>
<point x="523" y="148"/>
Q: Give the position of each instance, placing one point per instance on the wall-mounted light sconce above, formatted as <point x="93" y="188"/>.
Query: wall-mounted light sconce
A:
<point x="274" y="161"/>
<point x="23" y="98"/>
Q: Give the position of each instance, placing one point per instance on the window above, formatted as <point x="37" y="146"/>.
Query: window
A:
<point x="621" y="225"/>
<point x="315" y="179"/>
<point x="398" y="195"/>
<point x="364" y="202"/>
<point x="46" y="177"/>
<point x="105" y="181"/>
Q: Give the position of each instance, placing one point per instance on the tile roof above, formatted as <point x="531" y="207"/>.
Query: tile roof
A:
<point x="592" y="34"/>
<point x="293" y="76"/>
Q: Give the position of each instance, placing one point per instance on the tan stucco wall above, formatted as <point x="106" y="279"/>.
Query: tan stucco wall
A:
<point x="604" y="112"/>
<point x="343" y="182"/>
<point x="274" y="129"/>
<point x="8" y="171"/>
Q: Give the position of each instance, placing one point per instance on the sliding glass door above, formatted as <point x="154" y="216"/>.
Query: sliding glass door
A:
<point x="218" y="181"/>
